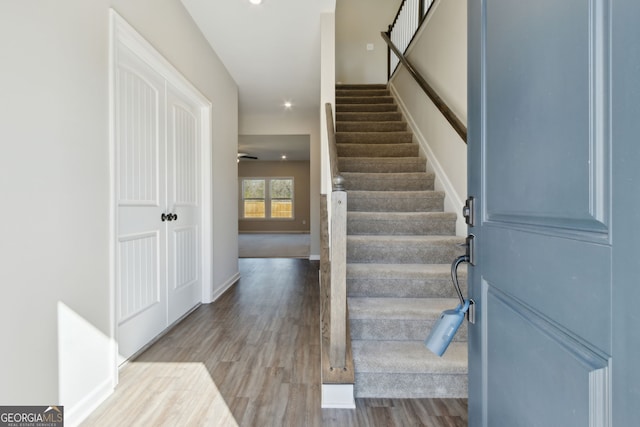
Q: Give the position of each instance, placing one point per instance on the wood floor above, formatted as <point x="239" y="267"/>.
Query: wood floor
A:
<point x="252" y="358"/>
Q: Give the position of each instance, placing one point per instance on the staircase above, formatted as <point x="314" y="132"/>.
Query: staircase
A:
<point x="400" y="245"/>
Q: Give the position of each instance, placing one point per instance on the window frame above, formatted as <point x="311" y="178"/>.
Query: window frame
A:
<point x="267" y="198"/>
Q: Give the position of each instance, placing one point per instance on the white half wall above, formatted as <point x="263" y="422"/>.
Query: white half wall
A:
<point x="55" y="305"/>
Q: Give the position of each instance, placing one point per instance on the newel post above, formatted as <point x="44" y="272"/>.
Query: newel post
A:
<point x="338" y="340"/>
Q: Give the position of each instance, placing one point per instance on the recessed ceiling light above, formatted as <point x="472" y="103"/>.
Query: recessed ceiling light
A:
<point x="284" y="157"/>
<point x="288" y="105"/>
<point x="255" y="1"/>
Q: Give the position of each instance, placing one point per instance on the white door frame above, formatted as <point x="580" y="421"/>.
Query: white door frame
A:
<point x="124" y="35"/>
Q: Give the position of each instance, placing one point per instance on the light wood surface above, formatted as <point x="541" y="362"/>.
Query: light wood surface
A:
<point x="252" y="358"/>
<point x="329" y="374"/>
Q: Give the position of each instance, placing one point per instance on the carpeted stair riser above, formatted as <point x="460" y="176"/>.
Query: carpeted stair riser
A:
<point x="406" y="201"/>
<point x="360" y="109"/>
<point x="413" y="181"/>
<point x="401" y="223"/>
<point x="366" y="86"/>
<point x="403" y="280"/>
<point x="403" y="249"/>
<point x="374" y="137"/>
<point x="342" y="93"/>
<point x="378" y="150"/>
<point x="397" y="319"/>
<point x="382" y="164"/>
<point x="364" y="100"/>
<point x="375" y="116"/>
<point x="371" y="126"/>
<point x="407" y="369"/>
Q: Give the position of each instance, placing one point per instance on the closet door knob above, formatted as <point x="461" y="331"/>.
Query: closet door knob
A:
<point x="164" y="217"/>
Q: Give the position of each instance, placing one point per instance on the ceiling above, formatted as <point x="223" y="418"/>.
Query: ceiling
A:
<point x="273" y="147"/>
<point x="271" y="50"/>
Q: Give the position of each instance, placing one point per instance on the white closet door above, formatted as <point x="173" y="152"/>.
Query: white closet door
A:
<point x="183" y="190"/>
<point x="141" y="298"/>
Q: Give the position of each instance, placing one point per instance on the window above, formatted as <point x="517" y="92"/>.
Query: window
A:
<point x="268" y="198"/>
<point x="253" y="195"/>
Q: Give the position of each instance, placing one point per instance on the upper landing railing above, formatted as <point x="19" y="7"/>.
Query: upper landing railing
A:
<point x="410" y="15"/>
<point x="401" y="32"/>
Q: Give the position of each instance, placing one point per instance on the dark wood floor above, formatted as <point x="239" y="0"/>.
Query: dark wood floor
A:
<point x="252" y="358"/>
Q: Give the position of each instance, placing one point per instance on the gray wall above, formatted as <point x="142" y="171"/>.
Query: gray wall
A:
<point x="55" y="183"/>
<point x="299" y="170"/>
<point x="358" y="23"/>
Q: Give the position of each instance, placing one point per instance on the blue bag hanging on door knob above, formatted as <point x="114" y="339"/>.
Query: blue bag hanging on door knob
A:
<point x="450" y="320"/>
<point x="445" y="329"/>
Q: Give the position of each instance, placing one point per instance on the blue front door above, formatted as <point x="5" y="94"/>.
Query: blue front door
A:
<point x="554" y="166"/>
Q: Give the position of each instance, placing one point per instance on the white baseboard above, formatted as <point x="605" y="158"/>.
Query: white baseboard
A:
<point x="339" y="396"/>
<point x="222" y="289"/>
<point x="74" y="415"/>
<point x="452" y="201"/>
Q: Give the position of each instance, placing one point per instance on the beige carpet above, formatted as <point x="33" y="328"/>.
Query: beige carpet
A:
<point x="273" y="245"/>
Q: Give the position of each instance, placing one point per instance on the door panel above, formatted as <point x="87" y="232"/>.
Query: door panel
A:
<point x="140" y="198"/>
<point x="540" y="351"/>
<point x="533" y="365"/>
<point x="544" y="75"/>
<point x="183" y="132"/>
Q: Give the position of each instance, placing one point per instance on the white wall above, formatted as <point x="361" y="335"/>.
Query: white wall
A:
<point x="439" y="53"/>
<point x="54" y="181"/>
<point x="358" y="23"/>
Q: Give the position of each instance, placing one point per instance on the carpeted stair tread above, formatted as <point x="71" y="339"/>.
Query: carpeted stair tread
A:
<point x="340" y="93"/>
<point x="402" y="201"/>
<point x="363" y="86"/>
<point x="387" y="99"/>
<point x="378" y="150"/>
<point x="403" y="249"/>
<point x="407" y="369"/>
<point x="417" y="223"/>
<point x="386" y="112"/>
<point x="382" y="164"/>
<point x="391" y="137"/>
<point x="408" y="357"/>
<point x="389" y="181"/>
<point x="371" y="126"/>
<point x="396" y="319"/>
<point x="398" y="308"/>
<point x="403" y="280"/>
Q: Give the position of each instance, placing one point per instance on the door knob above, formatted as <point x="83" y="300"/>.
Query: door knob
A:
<point x="164" y="217"/>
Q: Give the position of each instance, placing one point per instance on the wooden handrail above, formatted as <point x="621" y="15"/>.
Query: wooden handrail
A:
<point x="455" y="122"/>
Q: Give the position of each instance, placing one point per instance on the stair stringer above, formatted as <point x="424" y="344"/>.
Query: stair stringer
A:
<point x="453" y="201"/>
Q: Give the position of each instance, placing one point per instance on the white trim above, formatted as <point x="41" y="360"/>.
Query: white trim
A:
<point x="452" y="201"/>
<point x="73" y="416"/>
<point x="112" y="207"/>
<point x="338" y="396"/>
<point x="314" y="257"/>
<point x="222" y="289"/>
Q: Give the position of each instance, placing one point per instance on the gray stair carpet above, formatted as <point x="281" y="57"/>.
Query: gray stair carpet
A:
<point x="400" y="245"/>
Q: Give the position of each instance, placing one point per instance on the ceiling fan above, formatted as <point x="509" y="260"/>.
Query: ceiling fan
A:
<point x="246" y="156"/>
